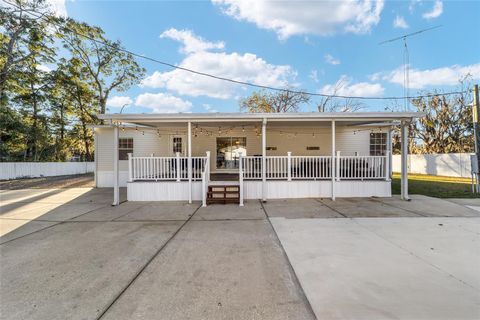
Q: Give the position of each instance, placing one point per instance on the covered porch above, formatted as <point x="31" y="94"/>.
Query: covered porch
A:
<point x="268" y="156"/>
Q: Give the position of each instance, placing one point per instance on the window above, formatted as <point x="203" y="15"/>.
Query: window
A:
<point x="177" y="145"/>
<point x="125" y="146"/>
<point x="271" y="148"/>
<point x="313" y="148"/>
<point x="228" y="151"/>
<point x="378" y="144"/>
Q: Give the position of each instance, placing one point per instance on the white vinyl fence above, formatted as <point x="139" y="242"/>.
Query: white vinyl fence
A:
<point x="14" y="170"/>
<point x="450" y="164"/>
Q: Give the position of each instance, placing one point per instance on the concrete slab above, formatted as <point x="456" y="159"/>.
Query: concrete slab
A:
<point x="110" y="213"/>
<point x="299" y="208"/>
<point x="365" y="207"/>
<point x="12" y="229"/>
<point x="431" y="207"/>
<point x="8" y="196"/>
<point x="466" y="201"/>
<point x="11" y="210"/>
<point x="74" y="270"/>
<point x="251" y="210"/>
<point x="56" y="212"/>
<point x="216" y="270"/>
<point x="161" y="211"/>
<point x="349" y="272"/>
<point x="442" y="242"/>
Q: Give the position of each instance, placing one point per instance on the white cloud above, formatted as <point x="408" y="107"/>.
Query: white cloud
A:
<point x="436" y="11"/>
<point x="314" y="75"/>
<point x="399" y="22"/>
<point x="43" y="68"/>
<point x="345" y="87"/>
<point x="191" y="42"/>
<point x="331" y="60"/>
<point x="241" y="67"/>
<point x="119" y="101"/>
<point x="288" y="18"/>
<point x="446" y="76"/>
<point x="163" y="103"/>
<point x="209" y="108"/>
<point x="58" y="6"/>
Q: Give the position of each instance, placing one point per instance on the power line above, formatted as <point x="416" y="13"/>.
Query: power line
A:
<point x="170" y="65"/>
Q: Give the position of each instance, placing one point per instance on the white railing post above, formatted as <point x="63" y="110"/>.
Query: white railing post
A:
<point x="240" y="177"/>
<point x="130" y="168"/>
<point x="178" y="166"/>
<point x="189" y="164"/>
<point x="289" y="166"/>
<point x="333" y="160"/>
<point x="207" y="166"/>
<point x="337" y="166"/>
<point x="387" y="166"/>
<point x="204" y="189"/>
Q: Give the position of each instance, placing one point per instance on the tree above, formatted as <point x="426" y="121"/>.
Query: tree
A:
<point x="22" y="36"/>
<point x="74" y="74"/>
<point x="280" y="101"/>
<point x="447" y="125"/>
<point x="332" y="104"/>
<point x="108" y="66"/>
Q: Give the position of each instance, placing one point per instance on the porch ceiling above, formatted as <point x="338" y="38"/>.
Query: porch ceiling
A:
<point x="273" y="119"/>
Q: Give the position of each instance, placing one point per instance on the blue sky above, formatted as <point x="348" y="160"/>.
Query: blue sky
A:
<point x="318" y="46"/>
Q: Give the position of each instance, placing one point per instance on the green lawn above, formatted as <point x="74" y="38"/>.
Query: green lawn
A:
<point x="436" y="186"/>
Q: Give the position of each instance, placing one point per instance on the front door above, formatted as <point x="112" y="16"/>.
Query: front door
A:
<point x="228" y="152"/>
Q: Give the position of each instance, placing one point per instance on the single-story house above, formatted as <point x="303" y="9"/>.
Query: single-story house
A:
<point x="229" y="157"/>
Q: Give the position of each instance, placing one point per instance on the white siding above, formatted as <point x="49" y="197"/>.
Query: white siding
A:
<point x="347" y="142"/>
<point x="143" y="145"/>
<point x="163" y="191"/>
<point x="178" y="191"/>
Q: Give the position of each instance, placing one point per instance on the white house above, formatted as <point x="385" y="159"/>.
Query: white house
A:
<point x="229" y="157"/>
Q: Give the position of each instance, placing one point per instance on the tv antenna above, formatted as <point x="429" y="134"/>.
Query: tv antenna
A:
<point x="406" y="60"/>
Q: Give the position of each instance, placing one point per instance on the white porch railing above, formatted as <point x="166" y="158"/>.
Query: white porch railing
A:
<point x="315" y="167"/>
<point x="361" y="167"/>
<point x="165" y="168"/>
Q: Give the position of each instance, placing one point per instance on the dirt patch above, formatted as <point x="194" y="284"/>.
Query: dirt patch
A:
<point x="72" y="181"/>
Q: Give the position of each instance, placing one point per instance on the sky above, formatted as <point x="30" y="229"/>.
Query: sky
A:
<point x="316" y="46"/>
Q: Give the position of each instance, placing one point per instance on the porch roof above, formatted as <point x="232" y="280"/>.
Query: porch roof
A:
<point x="297" y="118"/>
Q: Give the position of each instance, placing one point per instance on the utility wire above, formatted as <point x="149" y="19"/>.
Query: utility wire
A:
<point x="316" y="94"/>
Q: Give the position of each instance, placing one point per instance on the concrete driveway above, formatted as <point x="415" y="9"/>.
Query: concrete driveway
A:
<point x="67" y="254"/>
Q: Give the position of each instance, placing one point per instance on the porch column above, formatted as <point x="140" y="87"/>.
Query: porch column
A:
<point x="189" y="166"/>
<point x="95" y="156"/>
<point x="333" y="169"/>
<point x="404" y="178"/>
<point x="116" y="187"/>
<point x="390" y="153"/>
<point x="264" y="160"/>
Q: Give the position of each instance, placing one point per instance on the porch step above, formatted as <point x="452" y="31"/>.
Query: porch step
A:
<point x="223" y="194"/>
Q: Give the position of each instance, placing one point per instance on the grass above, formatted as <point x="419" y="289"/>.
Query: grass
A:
<point x="436" y="186"/>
